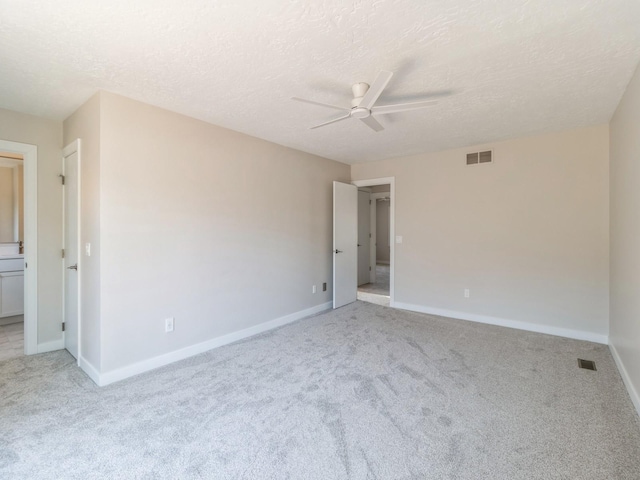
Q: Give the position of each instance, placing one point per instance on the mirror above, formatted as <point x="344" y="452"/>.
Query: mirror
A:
<point x="11" y="198"/>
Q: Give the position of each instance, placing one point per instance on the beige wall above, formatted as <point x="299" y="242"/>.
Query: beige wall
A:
<point x="215" y="228"/>
<point x="625" y="236"/>
<point x="47" y="136"/>
<point x="528" y="235"/>
<point x="84" y="124"/>
<point x="381" y="188"/>
<point x="6" y="205"/>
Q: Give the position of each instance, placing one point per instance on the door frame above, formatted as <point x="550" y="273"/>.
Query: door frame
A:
<point x="73" y="147"/>
<point x="392" y="225"/>
<point x="30" y="184"/>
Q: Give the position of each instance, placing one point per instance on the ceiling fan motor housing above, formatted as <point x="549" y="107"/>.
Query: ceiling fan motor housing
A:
<point x="359" y="90"/>
<point x="360" y="112"/>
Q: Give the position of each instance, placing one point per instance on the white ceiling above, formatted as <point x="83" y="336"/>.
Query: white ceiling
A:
<point x="518" y="67"/>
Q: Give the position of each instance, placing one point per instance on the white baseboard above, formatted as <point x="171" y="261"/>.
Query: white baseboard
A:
<point x="633" y="393"/>
<point x="162" y="360"/>
<point x="89" y="369"/>
<point x="11" y="320"/>
<point x="502" y="322"/>
<point x="51" y="346"/>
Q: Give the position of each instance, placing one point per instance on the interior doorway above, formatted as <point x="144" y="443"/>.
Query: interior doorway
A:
<point x="18" y="249"/>
<point x="364" y="236"/>
<point x="350" y="242"/>
<point x="11" y="255"/>
<point x="374" y="215"/>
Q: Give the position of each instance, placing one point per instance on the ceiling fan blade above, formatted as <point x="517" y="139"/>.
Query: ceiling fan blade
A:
<point x="344" y="117"/>
<point x="403" y="107"/>
<point x="372" y="123"/>
<point x="420" y="96"/>
<point x="379" y="84"/>
<point x="327" y="105"/>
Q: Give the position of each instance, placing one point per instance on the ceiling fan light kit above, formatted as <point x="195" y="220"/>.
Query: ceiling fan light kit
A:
<point x="363" y="104"/>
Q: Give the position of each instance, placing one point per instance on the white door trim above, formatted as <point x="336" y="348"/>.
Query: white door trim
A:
<point x="392" y="226"/>
<point x="73" y="147"/>
<point x="30" y="157"/>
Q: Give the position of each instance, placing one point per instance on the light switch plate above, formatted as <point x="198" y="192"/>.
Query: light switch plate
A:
<point x="87" y="249"/>
<point x="399" y="239"/>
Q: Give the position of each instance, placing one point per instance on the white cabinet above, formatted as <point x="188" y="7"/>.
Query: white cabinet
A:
<point x="11" y="286"/>
<point x="11" y="293"/>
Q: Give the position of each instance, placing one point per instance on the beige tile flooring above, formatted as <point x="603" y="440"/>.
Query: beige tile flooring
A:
<point x="11" y="341"/>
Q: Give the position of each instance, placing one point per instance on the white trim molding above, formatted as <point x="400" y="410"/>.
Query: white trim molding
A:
<point x="51" y="346"/>
<point x="633" y="393"/>
<point x="30" y="158"/>
<point x="503" y="322"/>
<point x="89" y="369"/>
<point x="112" y="376"/>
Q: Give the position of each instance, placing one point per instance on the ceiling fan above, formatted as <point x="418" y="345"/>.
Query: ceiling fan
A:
<point x="363" y="105"/>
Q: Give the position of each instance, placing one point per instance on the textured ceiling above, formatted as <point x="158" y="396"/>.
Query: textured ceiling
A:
<point x="517" y="67"/>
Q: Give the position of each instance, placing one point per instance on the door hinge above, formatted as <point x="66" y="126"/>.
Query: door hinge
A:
<point x="63" y="253"/>
<point x="369" y="202"/>
<point x="63" y="326"/>
<point x="369" y="268"/>
<point x="61" y="178"/>
<point x="369" y="235"/>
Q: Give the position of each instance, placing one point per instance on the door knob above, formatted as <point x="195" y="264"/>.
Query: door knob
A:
<point x="73" y="267"/>
<point x="338" y="251"/>
<point x="359" y="245"/>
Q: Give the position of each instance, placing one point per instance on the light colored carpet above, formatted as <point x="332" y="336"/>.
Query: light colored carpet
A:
<point x="364" y="392"/>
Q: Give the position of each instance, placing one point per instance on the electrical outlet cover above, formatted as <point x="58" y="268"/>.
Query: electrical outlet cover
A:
<point x="168" y="325"/>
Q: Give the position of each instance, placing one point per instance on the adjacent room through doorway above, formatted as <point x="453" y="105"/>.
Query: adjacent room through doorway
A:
<point x="374" y="244"/>
<point x="11" y="255"/>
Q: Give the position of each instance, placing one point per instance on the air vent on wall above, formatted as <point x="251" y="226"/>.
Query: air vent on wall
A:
<point x="480" y="157"/>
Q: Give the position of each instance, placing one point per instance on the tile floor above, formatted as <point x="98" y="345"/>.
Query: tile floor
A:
<point x="381" y="287"/>
<point x="378" y="292"/>
<point x="11" y="341"/>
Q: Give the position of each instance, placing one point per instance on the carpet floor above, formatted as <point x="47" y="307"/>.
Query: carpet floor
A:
<point x="362" y="392"/>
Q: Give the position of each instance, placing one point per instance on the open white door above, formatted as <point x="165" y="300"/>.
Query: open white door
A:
<point x="345" y="244"/>
<point x="71" y="196"/>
